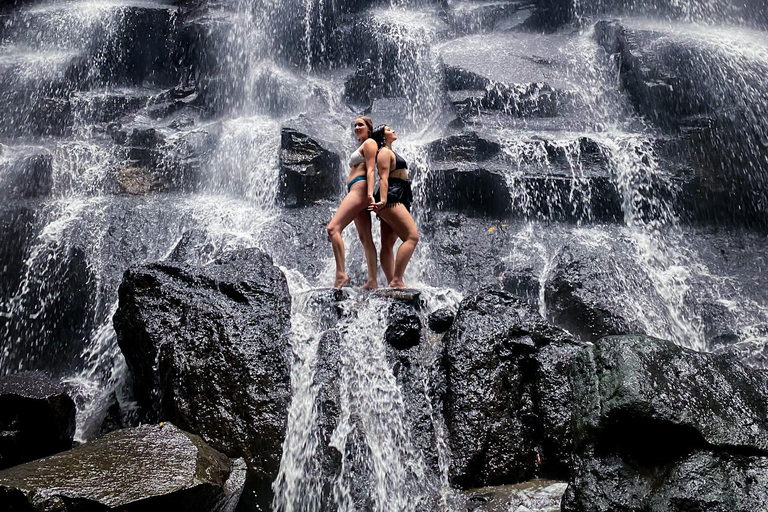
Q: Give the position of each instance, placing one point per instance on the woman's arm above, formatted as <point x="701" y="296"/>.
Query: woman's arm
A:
<point x="384" y="164"/>
<point x="370" y="150"/>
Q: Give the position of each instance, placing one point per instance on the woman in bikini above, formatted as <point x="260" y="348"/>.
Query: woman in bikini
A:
<point x="354" y="206"/>
<point x="393" y="206"/>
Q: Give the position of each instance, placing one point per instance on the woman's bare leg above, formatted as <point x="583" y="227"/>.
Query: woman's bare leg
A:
<point x="352" y="204"/>
<point x="363" y="225"/>
<point x="401" y="222"/>
<point x="387" y="254"/>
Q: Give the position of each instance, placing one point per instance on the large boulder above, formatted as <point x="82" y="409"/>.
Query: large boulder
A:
<point x="508" y="401"/>
<point x="310" y="170"/>
<point x="150" y="467"/>
<point x="207" y="349"/>
<point x="37" y="418"/>
<point x="582" y="295"/>
<point x="519" y="73"/>
<point x="659" y="427"/>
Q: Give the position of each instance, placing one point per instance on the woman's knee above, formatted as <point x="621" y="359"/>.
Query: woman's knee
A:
<point x="332" y="230"/>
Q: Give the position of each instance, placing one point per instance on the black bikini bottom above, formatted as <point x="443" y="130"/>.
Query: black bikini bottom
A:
<point x="399" y="192"/>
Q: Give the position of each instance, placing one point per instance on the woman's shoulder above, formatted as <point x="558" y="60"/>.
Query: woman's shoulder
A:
<point x="369" y="144"/>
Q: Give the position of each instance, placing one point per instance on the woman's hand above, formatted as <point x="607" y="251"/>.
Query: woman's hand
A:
<point x="371" y="199"/>
<point x="377" y="207"/>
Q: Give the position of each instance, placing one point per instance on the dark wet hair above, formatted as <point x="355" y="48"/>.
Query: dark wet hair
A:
<point x="368" y="123"/>
<point x="378" y="135"/>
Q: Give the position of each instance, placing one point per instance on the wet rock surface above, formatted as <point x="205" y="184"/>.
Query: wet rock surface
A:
<point x="225" y="375"/>
<point x="576" y="297"/>
<point x="441" y="320"/>
<point x="147" y="467"/>
<point x="660" y="427"/>
<point x="533" y="496"/>
<point x="405" y="326"/>
<point x="28" y="175"/>
<point x="37" y="417"/>
<point x="309" y="168"/>
<point x="504" y="380"/>
<point x="719" y="129"/>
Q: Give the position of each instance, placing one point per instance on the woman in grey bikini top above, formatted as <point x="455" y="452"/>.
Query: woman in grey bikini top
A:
<point x="354" y="206"/>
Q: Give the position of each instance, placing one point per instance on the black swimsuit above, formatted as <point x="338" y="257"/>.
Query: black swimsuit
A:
<point x="399" y="190"/>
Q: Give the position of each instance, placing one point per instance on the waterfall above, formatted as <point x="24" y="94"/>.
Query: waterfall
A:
<point x="139" y="127"/>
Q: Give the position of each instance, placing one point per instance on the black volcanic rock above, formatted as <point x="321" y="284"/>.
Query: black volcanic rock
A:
<point x="660" y="427"/>
<point x="441" y="320"/>
<point x="686" y="87"/>
<point x="29" y="175"/>
<point x="207" y="349"/>
<point x="309" y="169"/>
<point x="468" y="188"/>
<point x="465" y="147"/>
<point x="145" y="468"/>
<point x="404" y="325"/>
<point x="508" y="400"/>
<point x="37" y="418"/>
<point x="579" y="293"/>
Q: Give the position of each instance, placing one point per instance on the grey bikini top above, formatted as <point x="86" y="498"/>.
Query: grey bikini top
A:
<point x="356" y="158"/>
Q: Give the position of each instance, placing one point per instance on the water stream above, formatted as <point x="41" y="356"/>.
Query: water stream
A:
<point x="349" y="444"/>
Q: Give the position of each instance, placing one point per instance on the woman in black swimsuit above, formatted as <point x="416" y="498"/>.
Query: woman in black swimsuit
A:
<point x="393" y="206"/>
<point x="362" y="164"/>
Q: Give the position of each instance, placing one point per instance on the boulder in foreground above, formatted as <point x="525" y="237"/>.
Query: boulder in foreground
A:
<point x="207" y="347"/>
<point x="508" y="401"/>
<point x="37" y="418"/>
<point x="661" y="428"/>
<point x="145" y="468"/>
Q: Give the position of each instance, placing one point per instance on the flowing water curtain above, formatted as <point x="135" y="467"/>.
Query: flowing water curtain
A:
<point x="364" y="457"/>
<point x="407" y="65"/>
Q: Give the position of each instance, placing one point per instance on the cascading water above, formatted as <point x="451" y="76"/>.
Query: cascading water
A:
<point x="141" y="159"/>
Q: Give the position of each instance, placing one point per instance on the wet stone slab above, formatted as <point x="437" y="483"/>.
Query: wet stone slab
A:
<point x="408" y="295"/>
<point x="532" y="496"/>
<point x="128" y="470"/>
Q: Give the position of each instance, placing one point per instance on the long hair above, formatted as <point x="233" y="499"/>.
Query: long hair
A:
<point x="378" y="135"/>
<point x="368" y="123"/>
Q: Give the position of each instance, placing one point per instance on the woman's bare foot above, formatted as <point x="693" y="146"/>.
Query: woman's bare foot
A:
<point x="370" y="285"/>
<point x="398" y="284"/>
<point x="341" y="280"/>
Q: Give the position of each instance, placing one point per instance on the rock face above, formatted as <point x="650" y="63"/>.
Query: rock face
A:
<point x="155" y="164"/>
<point x="507" y="405"/>
<point x="145" y="468"/>
<point x="659" y="427"/>
<point x="30" y="175"/>
<point x="577" y="296"/>
<point x="37" y="418"/>
<point x="685" y="86"/>
<point x="207" y="349"/>
<point x="309" y="171"/>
